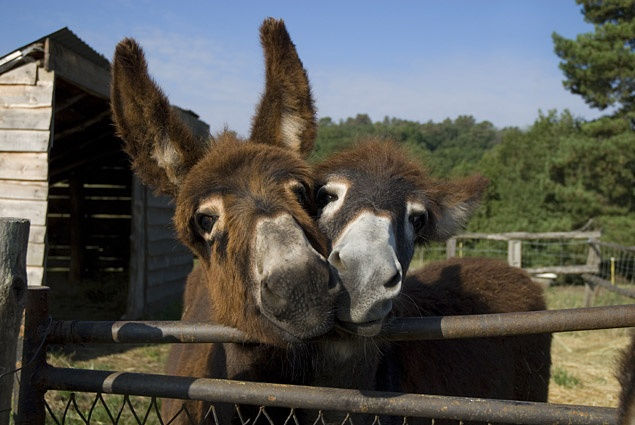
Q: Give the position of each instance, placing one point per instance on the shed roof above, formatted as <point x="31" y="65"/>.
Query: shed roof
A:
<point x="75" y="61"/>
<point x="63" y="36"/>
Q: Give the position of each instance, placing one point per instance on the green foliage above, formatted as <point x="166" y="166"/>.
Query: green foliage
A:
<point x="447" y="147"/>
<point x="600" y="65"/>
<point x="565" y="379"/>
<point x="555" y="176"/>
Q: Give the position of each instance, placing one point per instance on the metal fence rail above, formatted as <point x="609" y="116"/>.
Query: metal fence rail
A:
<point x="334" y="399"/>
<point x="37" y="377"/>
<point x="405" y="329"/>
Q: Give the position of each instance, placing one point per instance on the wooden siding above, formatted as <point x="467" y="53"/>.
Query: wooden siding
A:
<point x="159" y="263"/>
<point x="26" y="105"/>
<point x="165" y="261"/>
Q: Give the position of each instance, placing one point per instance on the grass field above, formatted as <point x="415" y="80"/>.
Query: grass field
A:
<point x="583" y="363"/>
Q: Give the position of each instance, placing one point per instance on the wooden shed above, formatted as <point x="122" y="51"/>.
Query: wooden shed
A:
<point x="62" y="167"/>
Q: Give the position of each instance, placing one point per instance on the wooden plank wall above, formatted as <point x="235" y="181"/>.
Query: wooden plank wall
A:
<point x="169" y="261"/>
<point x="26" y="105"/>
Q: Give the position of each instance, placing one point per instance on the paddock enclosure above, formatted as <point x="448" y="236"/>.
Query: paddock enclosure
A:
<point x="62" y="167"/>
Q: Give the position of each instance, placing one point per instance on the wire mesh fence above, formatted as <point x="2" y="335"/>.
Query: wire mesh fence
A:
<point x="617" y="263"/>
<point x="561" y="258"/>
<point x="70" y="408"/>
<point x="241" y="402"/>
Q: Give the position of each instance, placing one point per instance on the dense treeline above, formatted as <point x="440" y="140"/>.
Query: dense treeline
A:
<point x="556" y="175"/>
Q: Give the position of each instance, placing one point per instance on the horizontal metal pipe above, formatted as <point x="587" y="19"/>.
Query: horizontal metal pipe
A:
<point x="507" y="324"/>
<point x="76" y="331"/>
<point x="334" y="399"/>
<point x="404" y="329"/>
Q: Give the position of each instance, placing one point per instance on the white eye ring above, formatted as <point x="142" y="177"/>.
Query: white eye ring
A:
<point x="416" y="217"/>
<point x="336" y="191"/>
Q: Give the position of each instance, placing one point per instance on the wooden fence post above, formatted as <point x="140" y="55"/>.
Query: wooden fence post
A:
<point x="450" y="248"/>
<point x="593" y="258"/>
<point x="14" y="237"/>
<point x="514" y="253"/>
<point x="31" y="410"/>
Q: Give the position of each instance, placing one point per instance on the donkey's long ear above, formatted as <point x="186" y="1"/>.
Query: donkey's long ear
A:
<point x="160" y="145"/>
<point x="453" y="204"/>
<point x="286" y="115"/>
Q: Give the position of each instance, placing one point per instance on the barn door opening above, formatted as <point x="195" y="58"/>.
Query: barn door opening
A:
<point x="89" y="213"/>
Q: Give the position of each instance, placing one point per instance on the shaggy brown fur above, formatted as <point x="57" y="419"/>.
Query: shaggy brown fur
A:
<point x="626" y="377"/>
<point x="223" y="189"/>
<point x="514" y="368"/>
<point x="137" y="101"/>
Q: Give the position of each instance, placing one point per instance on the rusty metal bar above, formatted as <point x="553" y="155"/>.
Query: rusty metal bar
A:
<point x="438" y="327"/>
<point x="334" y="399"/>
<point x="595" y="280"/>
<point x="75" y="331"/>
<point x="506" y="324"/>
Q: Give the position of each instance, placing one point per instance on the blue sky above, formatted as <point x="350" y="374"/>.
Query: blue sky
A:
<point x="424" y="60"/>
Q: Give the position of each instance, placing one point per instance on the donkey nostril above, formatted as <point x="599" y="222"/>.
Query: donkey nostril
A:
<point x="394" y="281"/>
<point x="334" y="280"/>
<point x="335" y="259"/>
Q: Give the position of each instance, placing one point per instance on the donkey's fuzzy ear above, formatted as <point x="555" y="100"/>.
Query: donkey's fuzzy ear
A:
<point x="286" y="114"/>
<point x="454" y="203"/>
<point x="161" y="146"/>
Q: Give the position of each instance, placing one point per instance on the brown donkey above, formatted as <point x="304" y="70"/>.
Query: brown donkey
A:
<point x="374" y="206"/>
<point x="243" y="208"/>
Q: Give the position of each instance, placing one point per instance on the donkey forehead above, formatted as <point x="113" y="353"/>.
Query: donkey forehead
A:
<point x="366" y="190"/>
<point x="246" y="167"/>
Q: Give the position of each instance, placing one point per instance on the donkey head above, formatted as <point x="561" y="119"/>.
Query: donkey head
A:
<point x="374" y="204"/>
<point x="243" y="208"/>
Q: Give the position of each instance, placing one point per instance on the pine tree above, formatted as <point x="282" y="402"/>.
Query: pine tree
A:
<point x="600" y="65"/>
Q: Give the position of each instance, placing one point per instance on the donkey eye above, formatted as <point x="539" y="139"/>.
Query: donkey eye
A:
<point x="206" y="222"/>
<point x="418" y="220"/>
<point x="300" y="194"/>
<point x="324" y="197"/>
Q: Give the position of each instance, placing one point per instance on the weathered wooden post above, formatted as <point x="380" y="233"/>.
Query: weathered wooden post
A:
<point x="14" y="238"/>
<point x="514" y="253"/>
<point x="36" y="319"/>
<point x="593" y="260"/>
<point x="450" y="248"/>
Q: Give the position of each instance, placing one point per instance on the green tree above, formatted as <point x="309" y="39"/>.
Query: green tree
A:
<point x="600" y="65"/>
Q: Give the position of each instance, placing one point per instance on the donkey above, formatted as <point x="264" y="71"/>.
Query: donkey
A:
<point x="626" y="378"/>
<point x="243" y="208"/>
<point x="374" y="204"/>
